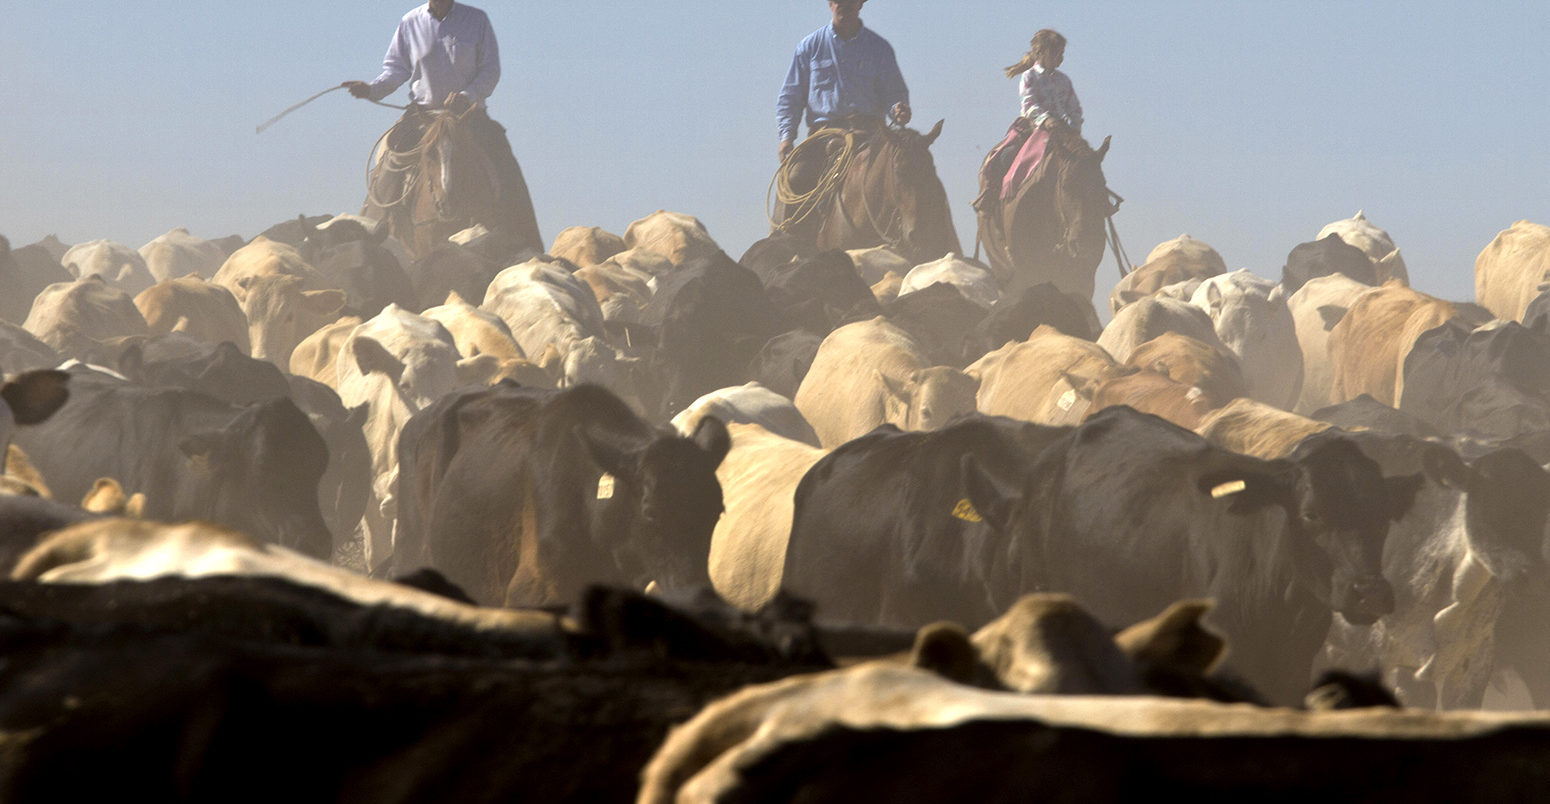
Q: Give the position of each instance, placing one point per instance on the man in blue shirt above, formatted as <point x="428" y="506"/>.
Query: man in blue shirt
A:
<point x="843" y="76"/>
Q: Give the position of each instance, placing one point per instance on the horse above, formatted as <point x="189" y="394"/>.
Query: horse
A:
<point x="431" y="178"/>
<point x="1052" y="229"/>
<point x="890" y="195"/>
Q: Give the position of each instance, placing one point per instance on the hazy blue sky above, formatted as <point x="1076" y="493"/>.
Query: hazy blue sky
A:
<point x="1246" y="124"/>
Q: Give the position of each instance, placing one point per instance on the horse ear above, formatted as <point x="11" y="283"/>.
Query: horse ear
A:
<point x="936" y="131"/>
<point x="1103" y="150"/>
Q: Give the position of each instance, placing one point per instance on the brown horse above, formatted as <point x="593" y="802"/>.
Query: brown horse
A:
<point x="1053" y="228"/>
<point x="430" y="179"/>
<point x="891" y="195"/>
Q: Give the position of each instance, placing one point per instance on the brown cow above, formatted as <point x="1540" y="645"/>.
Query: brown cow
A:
<point x="1254" y="428"/>
<point x="1192" y="362"/>
<point x="1178" y="260"/>
<point x="1367" y="349"/>
<point x="1032" y="380"/>
<point x="586" y="245"/>
<point x="1151" y="392"/>
<point x="202" y="309"/>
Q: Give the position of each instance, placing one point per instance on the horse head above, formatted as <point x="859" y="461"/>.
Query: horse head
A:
<point x="1081" y="197"/>
<point x="912" y="210"/>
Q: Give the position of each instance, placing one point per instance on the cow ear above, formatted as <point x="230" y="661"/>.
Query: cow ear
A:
<point x="1445" y="467"/>
<point x="711" y="436"/>
<point x="371" y="356"/>
<point x="200" y="448"/>
<point x="987" y="499"/>
<point x="1175" y="639"/>
<point x="1214" y="298"/>
<point x="894" y="387"/>
<point x="36" y="395"/>
<point x="325" y="303"/>
<point x="607" y="456"/>
<point x="479" y="370"/>
<point x="1331" y="314"/>
<point x="944" y="648"/>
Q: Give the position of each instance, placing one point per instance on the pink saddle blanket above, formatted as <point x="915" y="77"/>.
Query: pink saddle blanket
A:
<point x="1027" y="159"/>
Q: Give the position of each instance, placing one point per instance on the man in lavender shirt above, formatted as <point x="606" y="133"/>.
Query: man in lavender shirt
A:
<point x="447" y="53"/>
<point x="843" y="76"/>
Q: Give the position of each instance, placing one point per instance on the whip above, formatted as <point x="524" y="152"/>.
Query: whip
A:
<point x="271" y="121"/>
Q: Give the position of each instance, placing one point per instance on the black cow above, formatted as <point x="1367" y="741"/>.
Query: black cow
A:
<point x="253" y="468"/>
<point x="881" y="533"/>
<point x="1329" y="255"/>
<point x="1013" y="320"/>
<point x="1364" y="412"/>
<point x="820" y="293"/>
<point x="20" y="350"/>
<point x="370" y="276"/>
<point x="1129" y="512"/>
<point x="450" y="267"/>
<point x="942" y="320"/>
<point x="1492" y="382"/>
<point x="784" y="360"/>
<point x="712" y="317"/>
<point x="526" y="495"/>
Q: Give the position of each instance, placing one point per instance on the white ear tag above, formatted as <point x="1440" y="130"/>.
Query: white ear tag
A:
<point x="1228" y="489"/>
<point x="1067" y="399"/>
<point x="605" y="487"/>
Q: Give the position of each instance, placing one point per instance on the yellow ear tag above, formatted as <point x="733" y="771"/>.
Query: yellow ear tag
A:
<point x="964" y="510"/>
<point x="605" y="487"/>
<point x="1228" y="489"/>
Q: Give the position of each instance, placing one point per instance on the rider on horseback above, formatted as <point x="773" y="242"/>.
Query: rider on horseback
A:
<point x="1047" y="99"/>
<point x="843" y="77"/>
<point x="449" y="51"/>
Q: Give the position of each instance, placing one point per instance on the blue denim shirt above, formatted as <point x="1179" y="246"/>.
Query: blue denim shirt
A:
<point x="832" y="77"/>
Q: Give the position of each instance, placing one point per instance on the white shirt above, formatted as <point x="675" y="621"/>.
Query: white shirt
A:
<point x="456" y="54"/>
<point x="1049" y="92"/>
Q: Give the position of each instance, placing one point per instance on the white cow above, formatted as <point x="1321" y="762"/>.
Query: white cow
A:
<point x="1316" y="308"/>
<point x="284" y="298"/>
<point x="973" y="280"/>
<point x="117" y="264"/>
<point x="1150" y="316"/>
<point x="396" y="364"/>
<point x="78" y="318"/>
<point x="674" y="235"/>
<point x="1374" y="242"/>
<point x="178" y="253"/>
<point x="749" y="404"/>
<point x="1513" y="269"/>
<point x="758" y="477"/>
<point x="1251" y="319"/>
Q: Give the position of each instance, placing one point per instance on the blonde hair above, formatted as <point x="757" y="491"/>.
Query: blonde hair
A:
<point x="1047" y="39"/>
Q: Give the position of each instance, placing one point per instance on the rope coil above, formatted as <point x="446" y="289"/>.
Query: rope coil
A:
<point x="413" y="162"/>
<point x="801" y="206"/>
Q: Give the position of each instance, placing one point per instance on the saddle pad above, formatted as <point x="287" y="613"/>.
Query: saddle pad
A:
<point x="1023" y="165"/>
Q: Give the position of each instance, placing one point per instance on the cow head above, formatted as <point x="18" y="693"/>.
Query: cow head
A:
<point x="662" y="501"/>
<point x="1506" y="507"/>
<point x="280" y="313"/>
<point x="927" y="398"/>
<point x="261" y="471"/>
<point x="1338" y="506"/>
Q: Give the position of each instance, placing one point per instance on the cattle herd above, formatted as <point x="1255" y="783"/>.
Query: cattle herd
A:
<point x="311" y="517"/>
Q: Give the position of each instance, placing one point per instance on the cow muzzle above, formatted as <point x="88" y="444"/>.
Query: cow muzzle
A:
<point x="1366" y="600"/>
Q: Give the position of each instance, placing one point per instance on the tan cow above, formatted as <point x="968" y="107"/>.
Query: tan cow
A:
<point x="674" y="235"/>
<point x="317" y="355"/>
<point x="1316" y="308"/>
<point x="1511" y="271"/>
<point x="283" y="297"/>
<point x="1367" y="349"/>
<point x="871" y="372"/>
<point x="482" y="333"/>
<point x="1254" y="428"/>
<point x="1191" y="362"/>
<point x="1032" y="380"/>
<point x="178" y="253"/>
<point x="1146" y="318"/>
<point x="1150" y="392"/>
<point x="586" y="245"/>
<point x="79" y="319"/>
<point x="621" y="291"/>
<point x="1178" y="260"/>
<point x="1374" y="242"/>
<point x="877" y="262"/>
<point x="191" y="305"/>
<point x="758" y="479"/>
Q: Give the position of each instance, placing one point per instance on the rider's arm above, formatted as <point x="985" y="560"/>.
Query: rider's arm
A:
<point x="890" y="82"/>
<point x="488" y="71"/>
<point x="396" y="66"/>
<point x="793" y="98"/>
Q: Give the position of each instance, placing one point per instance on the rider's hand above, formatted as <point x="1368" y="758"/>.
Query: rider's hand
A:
<point x="1050" y="123"/>
<point x="359" y="89"/>
<point x="901" y="113"/>
<point x="458" y="103"/>
<point x="786" y="147"/>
